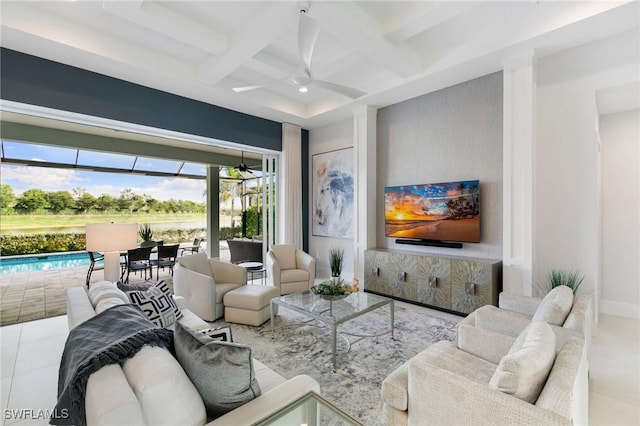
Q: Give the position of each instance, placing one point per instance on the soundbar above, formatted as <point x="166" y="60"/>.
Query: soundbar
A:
<point x="432" y="243"/>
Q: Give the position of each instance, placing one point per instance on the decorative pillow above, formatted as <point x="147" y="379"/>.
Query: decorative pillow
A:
<point x="157" y="303"/>
<point x="221" y="371"/>
<point x="220" y="334"/>
<point x="286" y="255"/>
<point x="523" y="371"/>
<point x="555" y="306"/>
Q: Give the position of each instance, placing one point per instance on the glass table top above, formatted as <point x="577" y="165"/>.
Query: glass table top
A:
<point x="312" y="410"/>
<point x="333" y="308"/>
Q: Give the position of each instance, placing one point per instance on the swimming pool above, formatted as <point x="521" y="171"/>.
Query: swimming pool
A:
<point x="41" y="262"/>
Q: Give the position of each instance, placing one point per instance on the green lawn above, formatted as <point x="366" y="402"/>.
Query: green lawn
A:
<point x="33" y="222"/>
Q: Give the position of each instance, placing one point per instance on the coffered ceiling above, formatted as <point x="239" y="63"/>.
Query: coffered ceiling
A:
<point x="388" y="50"/>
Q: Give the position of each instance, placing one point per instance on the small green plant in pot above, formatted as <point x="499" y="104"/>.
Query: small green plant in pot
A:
<point x="558" y="277"/>
<point x="146" y="234"/>
<point x="336" y="255"/>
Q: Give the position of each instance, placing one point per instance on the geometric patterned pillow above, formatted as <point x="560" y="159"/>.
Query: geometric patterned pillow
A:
<point x="157" y="303"/>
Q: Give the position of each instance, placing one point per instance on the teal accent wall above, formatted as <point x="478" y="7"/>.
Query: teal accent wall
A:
<point x="36" y="81"/>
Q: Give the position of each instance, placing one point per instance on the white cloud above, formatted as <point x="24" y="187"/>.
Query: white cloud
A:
<point x="22" y="178"/>
<point x="47" y="179"/>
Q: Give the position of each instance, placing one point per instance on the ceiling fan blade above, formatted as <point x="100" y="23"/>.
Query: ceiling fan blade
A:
<point x="349" y="92"/>
<point x="308" y="30"/>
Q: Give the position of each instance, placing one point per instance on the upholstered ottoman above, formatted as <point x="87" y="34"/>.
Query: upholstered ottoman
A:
<point x="249" y="304"/>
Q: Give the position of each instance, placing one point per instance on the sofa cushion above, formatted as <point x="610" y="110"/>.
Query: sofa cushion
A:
<point x="524" y="370"/>
<point x="105" y="290"/>
<point x="555" y="306"/>
<point x="286" y="255"/>
<point x="221" y="371"/>
<point x="293" y="275"/>
<point x="197" y="263"/>
<point x="107" y="303"/>
<point x="157" y="303"/>
<point x="164" y="391"/>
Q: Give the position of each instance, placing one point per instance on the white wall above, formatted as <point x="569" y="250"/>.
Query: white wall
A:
<point x="448" y="135"/>
<point x="324" y="139"/>
<point x="566" y="158"/>
<point x="620" y="140"/>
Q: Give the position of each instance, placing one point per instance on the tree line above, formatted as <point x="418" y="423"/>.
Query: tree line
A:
<point x="79" y="201"/>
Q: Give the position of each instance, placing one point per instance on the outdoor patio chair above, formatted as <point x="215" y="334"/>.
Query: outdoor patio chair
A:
<point x="139" y="259"/>
<point x="194" y="248"/>
<point x="166" y="258"/>
<point x="94" y="258"/>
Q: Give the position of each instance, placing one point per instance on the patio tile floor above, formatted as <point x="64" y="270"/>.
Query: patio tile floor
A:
<point x="30" y="296"/>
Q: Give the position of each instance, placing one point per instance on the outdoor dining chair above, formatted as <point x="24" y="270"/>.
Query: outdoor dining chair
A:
<point x="166" y="258"/>
<point x="139" y="259"/>
<point x="94" y="258"/>
<point x="194" y="248"/>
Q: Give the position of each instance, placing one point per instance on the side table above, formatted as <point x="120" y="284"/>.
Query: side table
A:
<point x="254" y="268"/>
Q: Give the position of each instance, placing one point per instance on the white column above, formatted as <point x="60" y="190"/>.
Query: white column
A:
<point x="519" y="106"/>
<point x="213" y="211"/>
<point x="365" y="196"/>
<point x="290" y="194"/>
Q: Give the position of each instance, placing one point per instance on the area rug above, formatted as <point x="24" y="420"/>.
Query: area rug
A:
<point x="296" y="348"/>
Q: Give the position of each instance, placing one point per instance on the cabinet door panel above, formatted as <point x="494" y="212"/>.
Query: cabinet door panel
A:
<point x="376" y="271"/>
<point x="403" y="276"/>
<point x="439" y="269"/>
<point x="465" y="273"/>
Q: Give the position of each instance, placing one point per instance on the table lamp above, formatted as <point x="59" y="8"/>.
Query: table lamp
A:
<point x="110" y="239"/>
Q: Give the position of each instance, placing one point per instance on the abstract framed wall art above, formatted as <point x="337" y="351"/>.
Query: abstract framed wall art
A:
<point x="332" y="187"/>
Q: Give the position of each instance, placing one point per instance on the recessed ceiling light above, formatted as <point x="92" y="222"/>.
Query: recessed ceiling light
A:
<point x="303" y="89"/>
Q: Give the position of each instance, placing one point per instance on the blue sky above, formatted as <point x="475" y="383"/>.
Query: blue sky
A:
<point x="22" y="178"/>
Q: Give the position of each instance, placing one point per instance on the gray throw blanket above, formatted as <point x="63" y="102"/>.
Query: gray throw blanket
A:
<point x="110" y="337"/>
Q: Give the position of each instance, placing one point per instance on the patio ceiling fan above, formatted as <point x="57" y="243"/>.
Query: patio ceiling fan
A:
<point x="243" y="169"/>
<point x="308" y="31"/>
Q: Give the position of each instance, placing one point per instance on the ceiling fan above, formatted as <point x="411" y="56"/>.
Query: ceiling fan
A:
<point x="308" y="30"/>
<point x="245" y="171"/>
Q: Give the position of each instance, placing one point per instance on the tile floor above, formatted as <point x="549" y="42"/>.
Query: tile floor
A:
<point x="31" y="354"/>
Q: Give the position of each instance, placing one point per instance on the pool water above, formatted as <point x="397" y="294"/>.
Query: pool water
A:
<point x="42" y="262"/>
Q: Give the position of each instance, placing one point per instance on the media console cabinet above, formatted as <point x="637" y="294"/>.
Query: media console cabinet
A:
<point x="449" y="283"/>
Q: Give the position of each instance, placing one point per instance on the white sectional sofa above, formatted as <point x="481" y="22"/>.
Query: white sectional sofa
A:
<point x="152" y="388"/>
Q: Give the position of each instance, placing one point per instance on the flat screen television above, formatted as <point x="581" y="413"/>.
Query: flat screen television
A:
<point x="448" y="211"/>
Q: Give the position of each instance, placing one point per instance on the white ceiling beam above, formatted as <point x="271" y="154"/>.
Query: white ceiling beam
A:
<point x="263" y="27"/>
<point x="58" y="36"/>
<point x="353" y="27"/>
<point x="158" y="18"/>
<point x="419" y="21"/>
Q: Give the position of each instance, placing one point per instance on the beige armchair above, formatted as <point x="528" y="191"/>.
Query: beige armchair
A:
<point x="203" y="282"/>
<point x="290" y="269"/>
<point x="493" y="379"/>
<point x="566" y="315"/>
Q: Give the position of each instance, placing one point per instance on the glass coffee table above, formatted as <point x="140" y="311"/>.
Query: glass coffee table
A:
<point x="334" y="310"/>
<point x="312" y="410"/>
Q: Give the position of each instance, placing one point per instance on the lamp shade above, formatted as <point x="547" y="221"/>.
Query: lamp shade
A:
<point x="110" y="237"/>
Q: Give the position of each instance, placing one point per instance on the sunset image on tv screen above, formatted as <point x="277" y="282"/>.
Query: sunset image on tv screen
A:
<point x="440" y="211"/>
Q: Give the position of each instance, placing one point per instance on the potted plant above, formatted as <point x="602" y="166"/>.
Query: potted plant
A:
<point x="336" y="255"/>
<point x="330" y="290"/>
<point x="146" y="234"/>
<point x="558" y="277"/>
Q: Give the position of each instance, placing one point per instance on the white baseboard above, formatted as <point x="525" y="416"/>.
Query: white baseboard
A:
<point x="621" y="309"/>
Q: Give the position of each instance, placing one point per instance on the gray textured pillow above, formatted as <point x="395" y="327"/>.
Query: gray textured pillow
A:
<point x="524" y="370"/>
<point x="221" y="371"/>
<point x="555" y="306"/>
